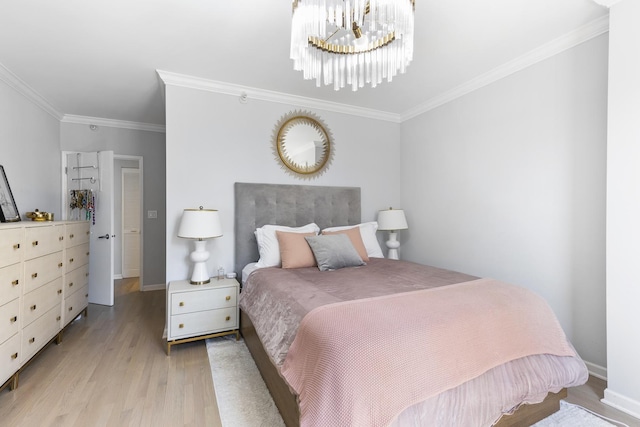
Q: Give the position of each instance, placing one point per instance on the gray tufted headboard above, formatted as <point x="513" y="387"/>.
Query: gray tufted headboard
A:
<point x="290" y="205"/>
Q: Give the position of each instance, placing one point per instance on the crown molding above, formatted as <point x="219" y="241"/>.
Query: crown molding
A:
<point x="606" y="3"/>
<point x="181" y="80"/>
<point x="25" y="90"/>
<point x="122" y="124"/>
<point x="569" y="40"/>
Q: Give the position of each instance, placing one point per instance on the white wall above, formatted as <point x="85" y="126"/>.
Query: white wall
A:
<point x="149" y="145"/>
<point x="214" y="141"/>
<point x="623" y="209"/>
<point x="509" y="182"/>
<point x="29" y="152"/>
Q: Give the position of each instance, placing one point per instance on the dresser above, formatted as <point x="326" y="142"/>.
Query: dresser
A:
<point x="197" y="312"/>
<point x="36" y="261"/>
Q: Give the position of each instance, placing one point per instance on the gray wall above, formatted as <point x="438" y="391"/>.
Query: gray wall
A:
<point x="151" y="147"/>
<point x="509" y="182"/>
<point x="29" y="152"/>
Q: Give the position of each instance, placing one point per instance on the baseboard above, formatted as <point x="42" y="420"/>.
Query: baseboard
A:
<point x="621" y="403"/>
<point x="117" y="276"/>
<point x="597" y="370"/>
<point x="158" y="287"/>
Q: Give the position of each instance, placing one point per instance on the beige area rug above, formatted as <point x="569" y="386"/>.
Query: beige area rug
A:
<point x="244" y="401"/>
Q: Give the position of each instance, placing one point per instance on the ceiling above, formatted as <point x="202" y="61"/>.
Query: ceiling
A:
<point x="99" y="58"/>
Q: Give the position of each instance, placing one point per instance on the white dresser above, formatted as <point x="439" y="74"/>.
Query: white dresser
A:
<point x="197" y="312"/>
<point x="36" y="260"/>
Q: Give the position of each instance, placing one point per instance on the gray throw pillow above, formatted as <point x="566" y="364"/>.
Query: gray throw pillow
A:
<point x="334" y="251"/>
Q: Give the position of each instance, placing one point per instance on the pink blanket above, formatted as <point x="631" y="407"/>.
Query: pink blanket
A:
<point x="345" y="374"/>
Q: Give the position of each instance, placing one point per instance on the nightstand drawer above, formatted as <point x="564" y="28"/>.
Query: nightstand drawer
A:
<point x="202" y="322"/>
<point x="205" y="299"/>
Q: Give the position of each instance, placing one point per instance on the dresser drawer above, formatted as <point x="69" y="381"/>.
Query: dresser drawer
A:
<point x="77" y="256"/>
<point x="40" y="332"/>
<point x="10" y="357"/>
<point x="40" y="241"/>
<point x="38" y="302"/>
<point x="11" y="246"/>
<point x="10" y="283"/>
<point x="205" y="299"/>
<point x="203" y="322"/>
<point x="75" y="280"/>
<point x="76" y="234"/>
<point x="9" y="320"/>
<point x="42" y="270"/>
<point x="74" y="304"/>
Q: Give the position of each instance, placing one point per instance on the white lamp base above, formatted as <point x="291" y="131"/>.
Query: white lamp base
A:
<point x="199" y="257"/>
<point x="393" y="244"/>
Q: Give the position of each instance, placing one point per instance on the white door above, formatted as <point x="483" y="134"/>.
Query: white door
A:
<point x="130" y="222"/>
<point x="93" y="172"/>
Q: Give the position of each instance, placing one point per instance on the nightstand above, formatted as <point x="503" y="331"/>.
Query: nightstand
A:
<point x="198" y="312"/>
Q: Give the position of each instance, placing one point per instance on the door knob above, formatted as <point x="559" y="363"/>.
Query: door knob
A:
<point x="106" y="236"/>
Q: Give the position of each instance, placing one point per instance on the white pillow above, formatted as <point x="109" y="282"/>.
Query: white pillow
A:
<point x="368" y="233"/>
<point x="268" y="246"/>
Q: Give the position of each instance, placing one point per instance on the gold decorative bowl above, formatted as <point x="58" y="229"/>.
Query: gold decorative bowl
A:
<point x="40" y="216"/>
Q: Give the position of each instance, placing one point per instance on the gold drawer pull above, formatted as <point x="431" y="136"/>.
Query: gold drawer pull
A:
<point x="228" y="298"/>
<point x="181" y="325"/>
<point x="87" y="233"/>
<point x="59" y="264"/>
<point x="34" y="243"/>
<point x="15" y="283"/>
<point x="33" y="307"/>
<point x="70" y="308"/>
<point x="32" y="340"/>
<point x="87" y="253"/>
<point x="70" y="259"/>
<point x="61" y="238"/>
<point x="14" y="356"/>
<point x="70" y="284"/>
<point x="86" y="274"/>
<point x="86" y="295"/>
<point x="34" y="275"/>
<point x="181" y="304"/>
<point x="58" y="318"/>
<point x="59" y="291"/>
<point x="71" y="236"/>
<point x="14" y="319"/>
<point x="16" y="246"/>
<point x="227" y="318"/>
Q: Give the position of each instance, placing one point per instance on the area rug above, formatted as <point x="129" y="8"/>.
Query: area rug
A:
<point x="243" y="398"/>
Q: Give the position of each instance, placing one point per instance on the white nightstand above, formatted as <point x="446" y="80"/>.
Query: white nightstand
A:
<point x="197" y="312"/>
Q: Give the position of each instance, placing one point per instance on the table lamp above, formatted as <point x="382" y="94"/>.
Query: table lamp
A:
<point x="392" y="220"/>
<point x="200" y="224"/>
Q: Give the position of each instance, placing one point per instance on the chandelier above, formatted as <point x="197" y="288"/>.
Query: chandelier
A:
<point x="351" y="42"/>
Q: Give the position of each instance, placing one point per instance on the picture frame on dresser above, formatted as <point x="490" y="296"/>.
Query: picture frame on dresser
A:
<point x="8" y="208"/>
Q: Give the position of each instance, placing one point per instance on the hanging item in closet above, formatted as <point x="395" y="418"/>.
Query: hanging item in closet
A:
<point x="85" y="202"/>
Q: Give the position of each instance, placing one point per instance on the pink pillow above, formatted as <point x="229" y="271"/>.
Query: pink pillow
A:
<point x="356" y="240"/>
<point x="294" y="250"/>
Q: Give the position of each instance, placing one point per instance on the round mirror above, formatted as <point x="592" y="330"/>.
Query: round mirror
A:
<point x="302" y="144"/>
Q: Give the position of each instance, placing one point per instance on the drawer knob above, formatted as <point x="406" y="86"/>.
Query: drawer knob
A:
<point x="181" y="304"/>
<point x="59" y="291"/>
<point x="59" y="265"/>
<point x="70" y="284"/>
<point x="15" y="283"/>
<point x="70" y="308"/>
<point x="32" y="340"/>
<point x="34" y="275"/>
<point x="228" y="298"/>
<point x="33" y="307"/>
<point x="14" y="319"/>
<point x="61" y="238"/>
<point x="14" y="356"/>
<point x="86" y="295"/>
<point x="34" y="243"/>
<point x="228" y="318"/>
<point x="181" y="325"/>
<point x="87" y="253"/>
<point x="87" y="233"/>
<point x="16" y="246"/>
<point x="58" y="318"/>
<point x="71" y="236"/>
<point x="70" y="259"/>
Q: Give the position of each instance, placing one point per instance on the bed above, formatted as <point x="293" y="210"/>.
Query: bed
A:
<point x="294" y="206"/>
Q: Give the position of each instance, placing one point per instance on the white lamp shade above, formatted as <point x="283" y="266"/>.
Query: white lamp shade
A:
<point x="392" y="219"/>
<point x="200" y="224"/>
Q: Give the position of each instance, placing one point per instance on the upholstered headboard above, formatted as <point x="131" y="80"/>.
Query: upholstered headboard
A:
<point x="290" y="205"/>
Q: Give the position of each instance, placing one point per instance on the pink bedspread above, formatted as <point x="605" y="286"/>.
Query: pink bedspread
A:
<point x="337" y="372"/>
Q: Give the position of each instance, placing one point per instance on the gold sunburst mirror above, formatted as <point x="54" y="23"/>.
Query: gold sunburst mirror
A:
<point x="302" y="144"/>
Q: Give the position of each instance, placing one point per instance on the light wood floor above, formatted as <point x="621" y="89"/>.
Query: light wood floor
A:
<point x="112" y="370"/>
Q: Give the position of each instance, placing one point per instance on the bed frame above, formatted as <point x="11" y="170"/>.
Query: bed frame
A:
<point x="297" y="205"/>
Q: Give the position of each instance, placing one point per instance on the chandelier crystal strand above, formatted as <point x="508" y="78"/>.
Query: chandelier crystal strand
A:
<point x="352" y="42"/>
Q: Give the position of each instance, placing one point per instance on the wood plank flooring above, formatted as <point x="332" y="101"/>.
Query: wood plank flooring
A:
<point x="112" y="370"/>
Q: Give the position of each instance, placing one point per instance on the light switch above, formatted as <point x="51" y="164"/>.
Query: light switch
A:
<point x="152" y="214"/>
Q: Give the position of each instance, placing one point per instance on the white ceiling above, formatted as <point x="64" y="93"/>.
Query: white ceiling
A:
<point x="99" y="58"/>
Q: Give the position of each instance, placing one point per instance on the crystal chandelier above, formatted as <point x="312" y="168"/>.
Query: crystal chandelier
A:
<point x="351" y="42"/>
